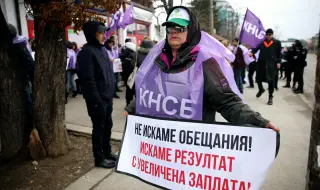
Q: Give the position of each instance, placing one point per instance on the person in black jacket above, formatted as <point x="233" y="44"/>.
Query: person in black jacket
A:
<point x="96" y="77"/>
<point x="299" y="64"/>
<point x="268" y="64"/>
<point x="290" y="66"/>
<point x="23" y="53"/>
<point x="128" y="59"/>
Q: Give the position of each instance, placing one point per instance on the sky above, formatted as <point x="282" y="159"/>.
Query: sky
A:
<point x="298" y="19"/>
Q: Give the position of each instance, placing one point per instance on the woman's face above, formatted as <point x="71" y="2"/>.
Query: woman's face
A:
<point x="177" y="36"/>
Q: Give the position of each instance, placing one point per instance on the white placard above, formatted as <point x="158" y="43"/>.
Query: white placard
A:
<point x="117" y="66"/>
<point x="189" y="155"/>
<point x="68" y="60"/>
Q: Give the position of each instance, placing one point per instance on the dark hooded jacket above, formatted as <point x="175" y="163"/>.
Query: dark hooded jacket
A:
<point x="217" y="97"/>
<point x="24" y="56"/>
<point x="95" y="69"/>
<point x="300" y="55"/>
<point x="145" y="46"/>
<point x="128" y="59"/>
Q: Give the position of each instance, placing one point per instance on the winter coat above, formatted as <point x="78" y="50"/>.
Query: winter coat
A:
<point x="72" y="60"/>
<point x="128" y="59"/>
<point x="300" y="56"/>
<point x="239" y="62"/>
<point x="95" y="70"/>
<point x="25" y="59"/>
<point x="216" y="96"/>
<point x="268" y="59"/>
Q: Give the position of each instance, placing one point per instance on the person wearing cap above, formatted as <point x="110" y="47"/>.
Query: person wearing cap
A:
<point x="186" y="76"/>
<point x="268" y="64"/>
<point x="96" y="77"/>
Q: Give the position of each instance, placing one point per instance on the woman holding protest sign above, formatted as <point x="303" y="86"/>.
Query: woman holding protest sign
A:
<point x="187" y="76"/>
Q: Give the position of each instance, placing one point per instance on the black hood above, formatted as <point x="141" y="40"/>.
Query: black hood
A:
<point x="194" y="33"/>
<point x="90" y="29"/>
<point x="148" y="44"/>
<point x="298" y="43"/>
<point x="13" y="31"/>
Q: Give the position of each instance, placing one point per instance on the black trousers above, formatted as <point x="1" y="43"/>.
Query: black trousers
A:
<point x="270" y="87"/>
<point x="283" y="69"/>
<point x="252" y="69"/>
<point x="129" y="94"/>
<point x="101" y="117"/>
<point x="299" y="77"/>
<point x="289" y="72"/>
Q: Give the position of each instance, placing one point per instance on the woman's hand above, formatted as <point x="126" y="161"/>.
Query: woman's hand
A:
<point x="273" y="127"/>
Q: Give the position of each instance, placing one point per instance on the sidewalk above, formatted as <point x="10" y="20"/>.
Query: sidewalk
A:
<point x="289" y="112"/>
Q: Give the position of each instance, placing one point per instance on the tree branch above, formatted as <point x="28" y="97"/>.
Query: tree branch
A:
<point x="165" y="5"/>
<point x="160" y="6"/>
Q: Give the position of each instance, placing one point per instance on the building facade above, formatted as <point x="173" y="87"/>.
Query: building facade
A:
<point x="15" y="13"/>
<point x="145" y="23"/>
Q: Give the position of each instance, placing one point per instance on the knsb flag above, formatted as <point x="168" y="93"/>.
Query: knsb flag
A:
<point x="175" y="154"/>
<point x="114" y="23"/>
<point x="252" y="31"/>
<point x="127" y="17"/>
<point x="121" y="20"/>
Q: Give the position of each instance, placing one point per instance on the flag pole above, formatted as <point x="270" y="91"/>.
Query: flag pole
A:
<point x="240" y="36"/>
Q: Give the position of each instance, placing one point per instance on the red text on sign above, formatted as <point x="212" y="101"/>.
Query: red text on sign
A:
<point x="153" y="151"/>
<point x="210" y="161"/>
<point x="169" y="174"/>
<point x="201" y="181"/>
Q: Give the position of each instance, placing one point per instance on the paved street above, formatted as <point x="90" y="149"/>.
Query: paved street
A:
<point x="289" y="112"/>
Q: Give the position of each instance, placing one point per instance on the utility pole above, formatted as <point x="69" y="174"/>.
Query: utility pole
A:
<point x="211" y="16"/>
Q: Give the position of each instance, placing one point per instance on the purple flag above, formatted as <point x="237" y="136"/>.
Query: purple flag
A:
<point x="127" y="17"/>
<point x="114" y="23"/>
<point x="252" y="31"/>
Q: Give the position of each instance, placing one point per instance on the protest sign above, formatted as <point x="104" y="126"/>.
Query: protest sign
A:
<point x="191" y="155"/>
<point x="117" y="66"/>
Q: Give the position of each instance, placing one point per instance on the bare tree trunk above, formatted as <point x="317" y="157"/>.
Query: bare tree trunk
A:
<point x="13" y="110"/>
<point x="313" y="175"/>
<point x="49" y="87"/>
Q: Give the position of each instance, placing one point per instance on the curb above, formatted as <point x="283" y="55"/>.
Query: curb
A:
<point x="90" y="179"/>
<point x="78" y="129"/>
<point x="310" y="105"/>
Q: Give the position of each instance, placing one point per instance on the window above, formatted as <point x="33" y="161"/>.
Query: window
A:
<point x="142" y="29"/>
<point x="131" y="29"/>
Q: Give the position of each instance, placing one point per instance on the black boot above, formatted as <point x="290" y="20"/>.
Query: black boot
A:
<point x="74" y="94"/>
<point x="298" y="91"/>
<point x="111" y="156"/>
<point x="270" y="101"/>
<point x="260" y="93"/>
<point x="286" y="86"/>
<point x="106" y="164"/>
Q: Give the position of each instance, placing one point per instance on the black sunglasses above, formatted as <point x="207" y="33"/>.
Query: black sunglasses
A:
<point x="269" y="34"/>
<point x="176" y="29"/>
